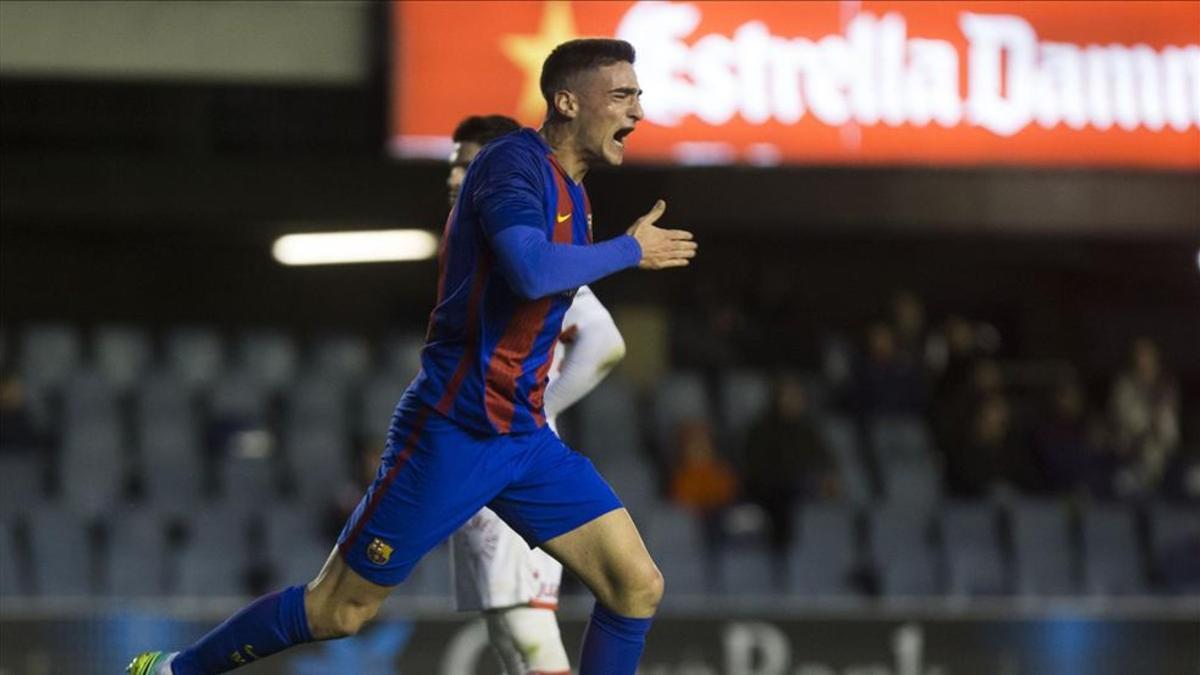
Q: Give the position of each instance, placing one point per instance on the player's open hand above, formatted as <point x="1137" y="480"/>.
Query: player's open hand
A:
<point x="661" y="248"/>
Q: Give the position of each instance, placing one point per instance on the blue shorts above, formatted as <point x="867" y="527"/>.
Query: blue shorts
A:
<point x="435" y="475"/>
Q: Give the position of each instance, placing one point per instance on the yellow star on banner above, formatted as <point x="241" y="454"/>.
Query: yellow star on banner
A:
<point x="529" y="51"/>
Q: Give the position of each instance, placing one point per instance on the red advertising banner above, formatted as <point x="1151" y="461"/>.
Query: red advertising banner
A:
<point x="1083" y="84"/>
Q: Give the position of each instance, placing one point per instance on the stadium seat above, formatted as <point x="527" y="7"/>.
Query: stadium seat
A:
<point x="93" y="466"/>
<point x="168" y="438"/>
<point x="11" y="582"/>
<point x="172" y="471"/>
<point x="21" y="480"/>
<point x="916" y="482"/>
<point x="377" y="402"/>
<point x="903" y="450"/>
<point x="93" y="473"/>
<point x="745" y="397"/>
<point x="1175" y="546"/>
<point x="61" y="552"/>
<point x="268" y="357"/>
<point x="315" y="402"/>
<point x="674" y="539"/>
<point x="634" y="482"/>
<point x="747" y="569"/>
<point x="974" y="560"/>
<point x="238" y="398"/>
<point x="341" y="358"/>
<point x="251" y="472"/>
<point x="196" y="354"/>
<point x="90" y="400"/>
<point x="837" y="360"/>
<point x="122" y="354"/>
<point x="245" y="447"/>
<point x="904" y="561"/>
<point x="1043" y="560"/>
<point x="295" y="543"/>
<point x="899" y="437"/>
<point x="50" y="353"/>
<point x="213" y="561"/>
<point x="841" y="439"/>
<point x="1111" y="560"/>
<point x="320" y="463"/>
<point x="679" y="397"/>
<point x="823" y="556"/>
<point x="135" y="553"/>
<point x="609" y="424"/>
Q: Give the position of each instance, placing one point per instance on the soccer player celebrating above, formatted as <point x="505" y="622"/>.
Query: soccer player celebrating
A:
<point x="495" y="571"/>
<point x="470" y="431"/>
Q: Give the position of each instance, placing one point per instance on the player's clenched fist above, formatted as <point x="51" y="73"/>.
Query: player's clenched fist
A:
<point x="661" y="248"/>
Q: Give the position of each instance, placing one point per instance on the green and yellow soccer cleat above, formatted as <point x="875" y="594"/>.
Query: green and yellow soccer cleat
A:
<point x="148" y="663"/>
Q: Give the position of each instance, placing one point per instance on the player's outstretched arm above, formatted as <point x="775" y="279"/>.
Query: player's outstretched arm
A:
<point x="535" y="267"/>
<point x="661" y="249"/>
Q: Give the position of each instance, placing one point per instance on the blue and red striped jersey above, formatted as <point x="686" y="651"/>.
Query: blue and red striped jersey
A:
<point x="516" y="246"/>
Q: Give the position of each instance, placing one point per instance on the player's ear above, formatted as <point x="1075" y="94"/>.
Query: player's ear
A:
<point x="566" y="104"/>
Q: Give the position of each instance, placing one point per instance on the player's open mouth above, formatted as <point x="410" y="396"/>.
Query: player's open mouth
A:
<point x="619" y="137"/>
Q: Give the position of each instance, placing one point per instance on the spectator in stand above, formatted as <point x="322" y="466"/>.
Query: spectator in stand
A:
<point x="786" y="459"/>
<point x="954" y="350"/>
<point x="955" y="362"/>
<point x="975" y="467"/>
<point x="703" y="483"/>
<point x="887" y="382"/>
<point x="978" y="438"/>
<point x="1068" y="444"/>
<point x="702" y="480"/>
<point x="1144" y="409"/>
<point x="912" y="332"/>
<point x="713" y="334"/>
<point x="18" y="433"/>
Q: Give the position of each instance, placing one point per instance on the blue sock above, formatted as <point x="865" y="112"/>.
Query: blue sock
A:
<point x="270" y="624"/>
<point x="612" y="644"/>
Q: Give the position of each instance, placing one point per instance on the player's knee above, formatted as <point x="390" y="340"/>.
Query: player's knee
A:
<point x="339" y="618"/>
<point x="641" y="590"/>
<point x="653" y="587"/>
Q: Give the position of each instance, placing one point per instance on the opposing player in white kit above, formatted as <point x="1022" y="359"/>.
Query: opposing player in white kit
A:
<point x="495" y="571"/>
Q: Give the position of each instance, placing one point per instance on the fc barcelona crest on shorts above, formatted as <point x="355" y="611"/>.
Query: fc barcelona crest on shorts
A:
<point x="379" y="552"/>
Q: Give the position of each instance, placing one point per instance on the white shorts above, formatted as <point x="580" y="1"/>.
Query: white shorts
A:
<point x="494" y="568"/>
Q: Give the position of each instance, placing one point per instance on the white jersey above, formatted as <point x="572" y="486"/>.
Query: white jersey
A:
<point x="493" y="566"/>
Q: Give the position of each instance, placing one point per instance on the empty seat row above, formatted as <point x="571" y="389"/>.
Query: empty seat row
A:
<point x="50" y="353"/>
<point x="95" y="473"/>
<point x="88" y="403"/>
<point x="55" y="552"/>
<point x="960" y="549"/>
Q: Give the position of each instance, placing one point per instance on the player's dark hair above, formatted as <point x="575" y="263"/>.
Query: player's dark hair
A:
<point x="578" y="56"/>
<point x="484" y="129"/>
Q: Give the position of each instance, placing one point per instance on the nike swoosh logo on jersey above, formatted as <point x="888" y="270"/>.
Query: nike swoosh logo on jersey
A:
<point x="563" y="217"/>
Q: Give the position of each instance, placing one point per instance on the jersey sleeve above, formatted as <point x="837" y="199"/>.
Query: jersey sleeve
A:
<point x="508" y="190"/>
<point x="508" y="195"/>
<point x="535" y="267"/>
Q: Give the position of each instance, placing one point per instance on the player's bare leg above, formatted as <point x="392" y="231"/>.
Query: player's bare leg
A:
<point x="608" y="555"/>
<point x="339" y="602"/>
